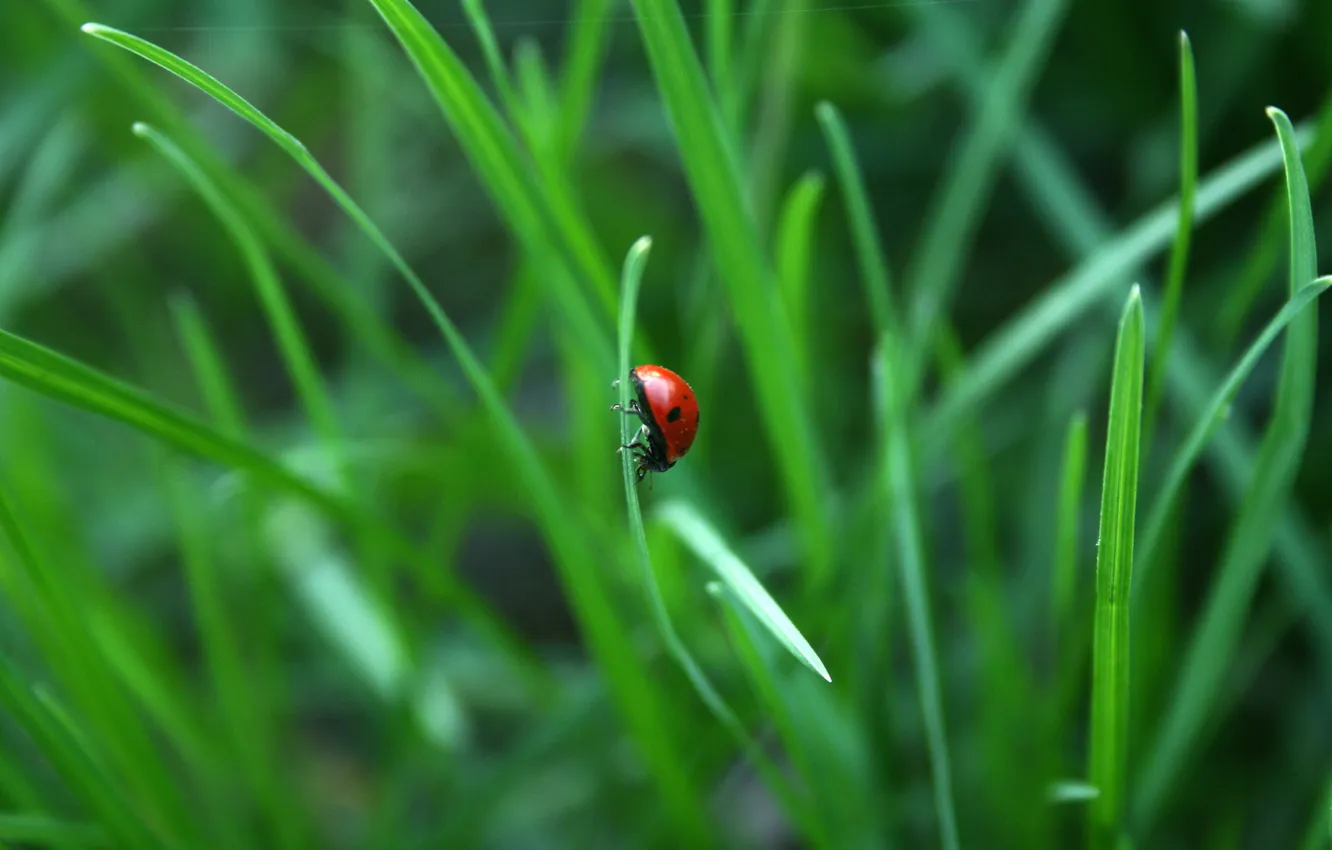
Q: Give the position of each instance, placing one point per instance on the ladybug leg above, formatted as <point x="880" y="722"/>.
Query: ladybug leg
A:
<point x="632" y="410"/>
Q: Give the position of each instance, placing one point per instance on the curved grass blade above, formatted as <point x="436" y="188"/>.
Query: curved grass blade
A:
<point x="1203" y="671"/>
<point x="478" y="127"/>
<point x="634" y="263"/>
<point x="874" y="270"/>
<point x="933" y="274"/>
<point x="1108" y="768"/>
<point x="1210" y="420"/>
<point x="547" y="222"/>
<point x="286" y="327"/>
<point x="68" y="754"/>
<point x="56" y="376"/>
<point x="1179" y="253"/>
<point x="1008" y="350"/>
<point x="714" y="176"/>
<point x="700" y="536"/>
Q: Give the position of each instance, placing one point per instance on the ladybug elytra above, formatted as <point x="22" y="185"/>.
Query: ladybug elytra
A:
<point x="669" y="411"/>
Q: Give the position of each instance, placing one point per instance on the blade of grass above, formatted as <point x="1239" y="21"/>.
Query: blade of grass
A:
<point x="75" y="605"/>
<point x="933" y="274"/>
<point x="68" y="381"/>
<point x="1067" y="520"/>
<point x="1179" y="252"/>
<point x="1005" y="352"/>
<point x="540" y="214"/>
<point x="286" y="328"/>
<point x="495" y="64"/>
<point x="795" y="236"/>
<point x="499" y="148"/>
<point x="480" y="127"/>
<point x="71" y="759"/>
<point x="1108" y="760"/>
<point x="41" y="830"/>
<point x="1203" y="670"/>
<point x="359" y="317"/>
<point x="586" y="53"/>
<point x="1266" y="253"/>
<point x="899" y="483"/>
<point x="634" y="263"/>
<point x="832" y="815"/>
<point x="700" y="536"/>
<point x="715" y="182"/>
<point x="241" y="711"/>
<point x="873" y="261"/>
<point x="1210" y="420"/>
<point x="1052" y="187"/>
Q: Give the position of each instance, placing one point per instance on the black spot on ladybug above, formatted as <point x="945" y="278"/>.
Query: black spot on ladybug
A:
<point x="673" y="415"/>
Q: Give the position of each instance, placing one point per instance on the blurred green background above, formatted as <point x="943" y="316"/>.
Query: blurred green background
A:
<point x="197" y="656"/>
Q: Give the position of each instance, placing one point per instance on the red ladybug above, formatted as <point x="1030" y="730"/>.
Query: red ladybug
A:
<point x="669" y="411"/>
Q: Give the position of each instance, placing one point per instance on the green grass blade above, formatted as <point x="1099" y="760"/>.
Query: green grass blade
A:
<point x="874" y="269"/>
<point x="1267" y="250"/>
<point x="999" y="358"/>
<point x="795" y="237"/>
<point x="495" y="64"/>
<point x="587" y="51"/>
<point x="498" y="146"/>
<point x="933" y="274"/>
<point x="40" y="830"/>
<point x="68" y="381"/>
<point x="1210" y="420"/>
<point x="1108" y="768"/>
<point x="291" y="339"/>
<point x="1052" y="187"/>
<point x="544" y="222"/>
<point x="702" y="538"/>
<point x="710" y="162"/>
<point x="1067" y="516"/>
<point x="900" y="485"/>
<point x="634" y="263"/>
<point x="359" y="316"/>
<point x="1179" y="253"/>
<point x="67" y="753"/>
<point x="1203" y="671"/>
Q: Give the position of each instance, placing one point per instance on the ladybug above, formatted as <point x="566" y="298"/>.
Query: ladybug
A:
<point x="669" y="410"/>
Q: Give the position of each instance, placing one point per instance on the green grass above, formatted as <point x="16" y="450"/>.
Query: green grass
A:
<point x="312" y="528"/>
<point x="1108" y="760"/>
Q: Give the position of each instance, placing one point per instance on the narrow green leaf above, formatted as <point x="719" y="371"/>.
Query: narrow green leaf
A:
<point x="58" y="377"/>
<point x="711" y="166"/>
<point x="874" y="271"/>
<point x="795" y="237"/>
<point x="890" y="369"/>
<point x="1179" y="254"/>
<point x="1210" y="420"/>
<point x="634" y="262"/>
<point x="1000" y="357"/>
<point x="1064" y="587"/>
<point x="933" y="274"/>
<point x="1108" y="769"/>
<point x="700" y="536"/>
<point x="75" y="764"/>
<point x="291" y="339"/>
<point x="1203" y="671"/>
<point x="44" y="831"/>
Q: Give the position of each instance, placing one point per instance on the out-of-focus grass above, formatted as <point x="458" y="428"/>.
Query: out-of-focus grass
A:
<point x="358" y="571"/>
